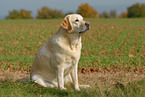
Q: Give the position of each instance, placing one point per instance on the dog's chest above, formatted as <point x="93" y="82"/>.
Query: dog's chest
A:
<point x="70" y="62"/>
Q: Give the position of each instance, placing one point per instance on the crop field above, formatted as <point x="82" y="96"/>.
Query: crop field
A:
<point x="110" y="45"/>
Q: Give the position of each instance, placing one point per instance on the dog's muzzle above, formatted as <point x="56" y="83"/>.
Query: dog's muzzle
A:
<point x="87" y="24"/>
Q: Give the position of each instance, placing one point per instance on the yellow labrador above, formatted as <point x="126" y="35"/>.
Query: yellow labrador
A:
<point x="56" y="61"/>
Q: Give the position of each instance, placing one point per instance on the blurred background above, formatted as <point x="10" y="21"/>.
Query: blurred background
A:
<point x="45" y="9"/>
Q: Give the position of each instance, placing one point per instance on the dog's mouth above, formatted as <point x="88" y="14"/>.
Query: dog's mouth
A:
<point x="87" y="28"/>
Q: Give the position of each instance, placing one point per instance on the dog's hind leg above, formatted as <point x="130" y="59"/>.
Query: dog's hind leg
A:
<point x="38" y="79"/>
<point x="68" y="79"/>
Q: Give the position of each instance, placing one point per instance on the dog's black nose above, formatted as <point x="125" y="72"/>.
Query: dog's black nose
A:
<point x="87" y="24"/>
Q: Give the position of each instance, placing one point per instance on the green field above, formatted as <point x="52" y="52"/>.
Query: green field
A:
<point x="108" y="42"/>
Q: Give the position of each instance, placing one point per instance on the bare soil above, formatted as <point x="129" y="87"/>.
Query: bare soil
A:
<point x="106" y="79"/>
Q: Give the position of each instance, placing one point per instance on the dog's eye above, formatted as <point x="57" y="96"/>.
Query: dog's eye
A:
<point x="76" y="20"/>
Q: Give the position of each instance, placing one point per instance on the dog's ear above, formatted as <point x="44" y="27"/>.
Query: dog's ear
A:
<point x="66" y="24"/>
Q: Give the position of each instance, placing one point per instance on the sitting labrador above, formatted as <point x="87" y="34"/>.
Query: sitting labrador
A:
<point x="56" y="61"/>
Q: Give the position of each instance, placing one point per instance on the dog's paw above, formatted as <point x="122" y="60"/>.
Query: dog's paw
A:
<point x="77" y="89"/>
<point x="63" y="88"/>
<point x="85" y="86"/>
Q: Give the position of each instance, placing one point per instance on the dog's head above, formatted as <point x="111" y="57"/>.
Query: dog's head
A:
<point x="74" y="23"/>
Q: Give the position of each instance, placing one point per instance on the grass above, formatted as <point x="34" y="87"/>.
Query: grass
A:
<point x="99" y="89"/>
<point x="109" y="42"/>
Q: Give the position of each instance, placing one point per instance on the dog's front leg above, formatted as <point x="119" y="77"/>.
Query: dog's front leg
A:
<point x="60" y="78"/>
<point x="75" y="77"/>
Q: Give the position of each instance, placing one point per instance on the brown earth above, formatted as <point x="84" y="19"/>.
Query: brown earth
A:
<point x="87" y="75"/>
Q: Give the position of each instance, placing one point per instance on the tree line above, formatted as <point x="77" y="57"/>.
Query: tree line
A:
<point x="136" y="10"/>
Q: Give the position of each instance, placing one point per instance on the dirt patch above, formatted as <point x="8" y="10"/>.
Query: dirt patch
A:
<point x="107" y="79"/>
<point x="13" y="76"/>
<point x="111" y="75"/>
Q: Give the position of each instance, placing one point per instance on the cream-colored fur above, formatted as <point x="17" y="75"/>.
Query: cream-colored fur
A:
<point x="56" y="61"/>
